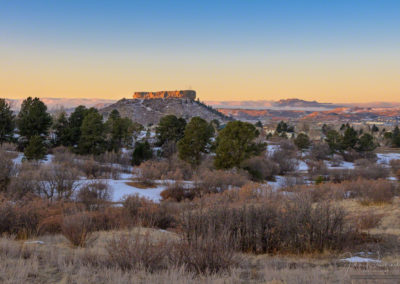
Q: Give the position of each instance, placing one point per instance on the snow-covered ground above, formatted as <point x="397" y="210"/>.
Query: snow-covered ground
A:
<point x="357" y="259"/>
<point x="120" y="189"/>
<point x="387" y="157"/>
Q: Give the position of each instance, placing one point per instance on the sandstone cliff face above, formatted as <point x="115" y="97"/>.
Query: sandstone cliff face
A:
<point x="150" y="111"/>
<point x="183" y="94"/>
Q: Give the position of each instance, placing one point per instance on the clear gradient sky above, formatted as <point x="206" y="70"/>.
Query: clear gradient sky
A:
<point x="332" y="51"/>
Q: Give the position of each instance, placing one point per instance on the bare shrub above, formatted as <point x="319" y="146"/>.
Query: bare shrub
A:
<point x="110" y="218"/>
<point x="94" y="195"/>
<point x="285" y="156"/>
<point x="261" y="168"/>
<point x="370" y="170"/>
<point x="380" y="191"/>
<point x="207" y="254"/>
<point x="366" y="191"/>
<point x="27" y="217"/>
<point x="316" y="168"/>
<point x="146" y="213"/>
<point x="115" y="159"/>
<point x="395" y="164"/>
<point x="320" y="151"/>
<point x="173" y="168"/>
<point x="77" y="228"/>
<point x="293" y="181"/>
<point x="294" y="226"/>
<point x="136" y="251"/>
<point x="56" y="181"/>
<point x="178" y="192"/>
<point x="63" y="155"/>
<point x="353" y="155"/>
<point x="93" y="169"/>
<point x="151" y="170"/>
<point x="220" y="180"/>
<point x="369" y="220"/>
<point x="25" y="183"/>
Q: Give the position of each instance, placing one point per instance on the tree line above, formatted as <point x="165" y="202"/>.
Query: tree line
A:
<point x="34" y="130"/>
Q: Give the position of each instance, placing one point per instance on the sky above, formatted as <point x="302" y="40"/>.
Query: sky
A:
<point x="330" y="51"/>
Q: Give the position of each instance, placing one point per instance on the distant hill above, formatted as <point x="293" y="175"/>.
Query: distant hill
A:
<point x="292" y="103"/>
<point x="65" y="103"/>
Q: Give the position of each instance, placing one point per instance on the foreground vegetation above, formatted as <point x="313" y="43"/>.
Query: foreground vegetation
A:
<point x="235" y="205"/>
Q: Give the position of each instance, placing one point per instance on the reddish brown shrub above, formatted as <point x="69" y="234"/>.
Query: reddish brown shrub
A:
<point x="77" y="228"/>
<point x="135" y="251"/>
<point x="395" y="164"/>
<point x="147" y="213"/>
<point x="178" y="192"/>
<point x="369" y="220"/>
<point x="207" y="254"/>
<point x="220" y="180"/>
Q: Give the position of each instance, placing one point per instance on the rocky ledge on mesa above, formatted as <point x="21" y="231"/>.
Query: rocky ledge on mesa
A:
<point x="181" y="94"/>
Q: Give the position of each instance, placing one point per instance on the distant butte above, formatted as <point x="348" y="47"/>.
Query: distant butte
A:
<point x="181" y="94"/>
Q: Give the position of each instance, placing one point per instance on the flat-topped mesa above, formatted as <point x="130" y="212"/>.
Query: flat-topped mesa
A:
<point x="182" y="94"/>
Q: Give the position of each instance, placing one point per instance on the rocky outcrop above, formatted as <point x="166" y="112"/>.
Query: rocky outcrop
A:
<point x="183" y="94"/>
<point x="150" y="111"/>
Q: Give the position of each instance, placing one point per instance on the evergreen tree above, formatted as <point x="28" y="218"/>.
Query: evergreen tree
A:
<point x="170" y="129"/>
<point x="33" y="118"/>
<point x="259" y="124"/>
<point x="334" y="140"/>
<point x="141" y="153"/>
<point x="396" y="137"/>
<point x="366" y="143"/>
<point x="374" y="129"/>
<point x="92" y="138"/>
<point x="198" y="133"/>
<point x="350" y="138"/>
<point x="35" y="150"/>
<point x="75" y="123"/>
<point x="281" y="127"/>
<point x="235" y="143"/>
<point x="7" y="123"/>
<point x="61" y="130"/>
<point x="302" y="141"/>
<point x="120" y="130"/>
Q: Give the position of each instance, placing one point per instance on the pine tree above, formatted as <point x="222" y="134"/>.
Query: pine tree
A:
<point x="75" y="121"/>
<point x="334" y="140"/>
<point x="33" y="118"/>
<point x="350" y="138"/>
<point x="61" y="130"/>
<point x="302" y="141"/>
<point x="198" y="133"/>
<point x="120" y="131"/>
<point x="92" y="140"/>
<point x="170" y="129"/>
<point x="235" y="143"/>
<point x="141" y="153"/>
<point x="396" y="137"/>
<point x="35" y="150"/>
<point x="366" y="143"/>
<point x="7" y="122"/>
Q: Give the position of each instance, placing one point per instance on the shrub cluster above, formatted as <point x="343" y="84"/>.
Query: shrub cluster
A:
<point x="294" y="226"/>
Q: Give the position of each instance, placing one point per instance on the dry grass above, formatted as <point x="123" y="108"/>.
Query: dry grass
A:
<point x="56" y="262"/>
<point x="390" y="222"/>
